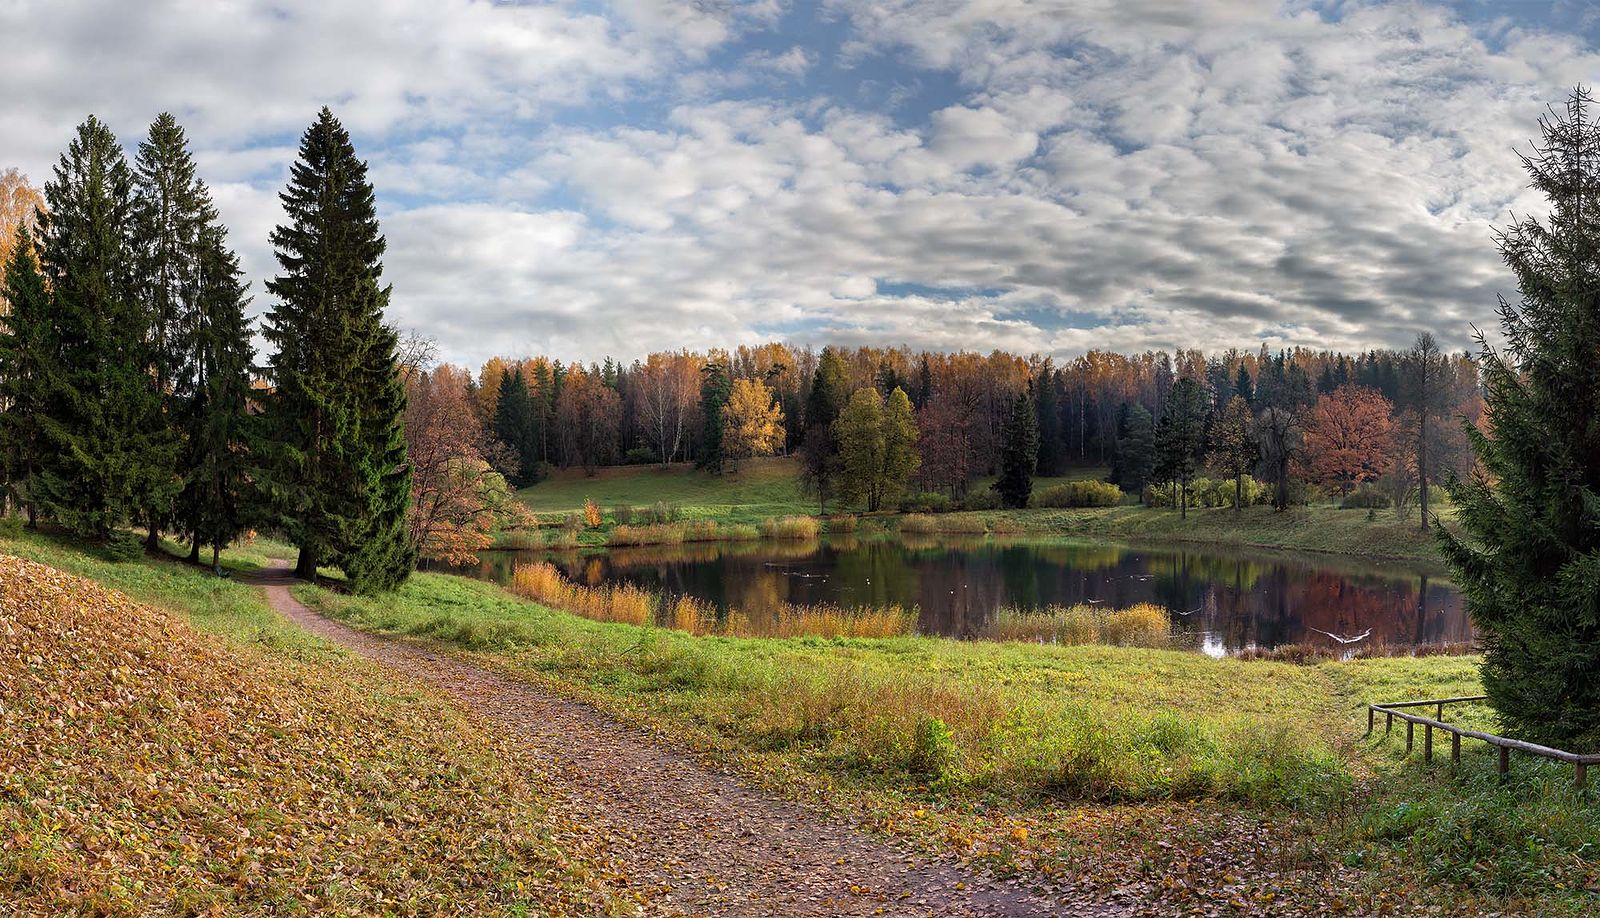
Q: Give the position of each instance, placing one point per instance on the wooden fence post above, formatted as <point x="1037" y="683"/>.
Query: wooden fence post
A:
<point x="1411" y="729"/>
<point x="1427" y="743"/>
<point x="1370" y="715"/>
<point x="1455" y="750"/>
<point x="1505" y="763"/>
<point x="1581" y="776"/>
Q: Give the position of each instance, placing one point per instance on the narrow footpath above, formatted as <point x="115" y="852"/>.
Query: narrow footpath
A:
<point x="693" y="840"/>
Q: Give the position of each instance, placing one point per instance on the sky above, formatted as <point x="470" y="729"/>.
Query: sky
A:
<point x="586" y="179"/>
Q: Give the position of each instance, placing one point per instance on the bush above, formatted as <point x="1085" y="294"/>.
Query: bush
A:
<point x="123" y="547"/>
<point x="591" y="514"/>
<point x="1079" y="494"/>
<point x="641" y="455"/>
<point x="982" y="499"/>
<point x="933" y="748"/>
<point x="1365" y="497"/>
<point x="925" y="502"/>
<point x="663" y="512"/>
<point x="622" y="514"/>
<point x="917" y="522"/>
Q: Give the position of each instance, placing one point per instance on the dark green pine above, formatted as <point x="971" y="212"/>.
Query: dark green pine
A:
<point x="172" y="209"/>
<point x="26" y="353"/>
<point x="214" y="383"/>
<point x="1528" y="553"/>
<point x="333" y="441"/>
<point x="716" y="387"/>
<point x="514" y="426"/>
<point x="1019" y="453"/>
<point x="105" y="461"/>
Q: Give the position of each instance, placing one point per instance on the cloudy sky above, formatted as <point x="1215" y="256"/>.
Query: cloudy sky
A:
<point x="589" y="178"/>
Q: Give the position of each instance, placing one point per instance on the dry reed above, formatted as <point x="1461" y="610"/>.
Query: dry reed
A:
<point x="1142" y="625"/>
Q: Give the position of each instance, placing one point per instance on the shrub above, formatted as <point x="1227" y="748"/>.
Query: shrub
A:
<point x="917" y="522"/>
<point x="981" y="499"/>
<point x="591" y="513"/>
<point x="1365" y="497"/>
<point x="641" y="455"/>
<point x="660" y="512"/>
<point x="925" y="502"/>
<point x="622" y="514"/>
<point x="790" y="527"/>
<point x="123" y="547"/>
<point x="933" y="748"/>
<point x="1079" y="494"/>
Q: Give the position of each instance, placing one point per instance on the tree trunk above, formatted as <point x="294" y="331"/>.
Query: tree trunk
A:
<point x="1422" y="461"/>
<point x="306" y="567"/>
<point x="1238" y="493"/>
<point x="216" y="559"/>
<point x="194" y="551"/>
<point x="1183" y="499"/>
<point x="152" y="541"/>
<point x="33" y="516"/>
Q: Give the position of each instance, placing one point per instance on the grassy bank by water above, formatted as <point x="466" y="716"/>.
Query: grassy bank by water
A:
<point x="768" y="489"/>
<point x="207" y="757"/>
<point x="1203" y="783"/>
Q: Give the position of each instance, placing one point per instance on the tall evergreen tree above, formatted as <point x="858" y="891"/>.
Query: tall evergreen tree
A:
<point x="172" y="212"/>
<point x="107" y="460"/>
<point x="1528" y="555"/>
<point x="26" y="356"/>
<point x="1019" y="453"/>
<point x="336" y="473"/>
<point x="1426" y="386"/>
<point x="1136" y="449"/>
<point x="1180" y="438"/>
<point x="214" y="384"/>
<point x="819" y="448"/>
<point x="924" y="386"/>
<point x="513" y="425"/>
<point x="1243" y="387"/>
<point x="716" y="387"/>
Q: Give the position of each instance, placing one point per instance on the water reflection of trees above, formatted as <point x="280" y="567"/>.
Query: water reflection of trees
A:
<point x="1221" y="601"/>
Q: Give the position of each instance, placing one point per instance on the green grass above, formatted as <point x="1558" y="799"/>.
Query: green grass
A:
<point x="758" y="489"/>
<point x="767" y="488"/>
<point x="1098" y="749"/>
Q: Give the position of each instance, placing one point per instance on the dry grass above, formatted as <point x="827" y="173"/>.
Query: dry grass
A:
<point x="835" y="621"/>
<point x="611" y="603"/>
<point x="1142" y="625"/>
<point x="678" y="533"/>
<point x="923" y="524"/>
<point x="790" y="527"/>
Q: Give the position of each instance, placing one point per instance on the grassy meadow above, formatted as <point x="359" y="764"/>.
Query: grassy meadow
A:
<point x="1226" y="783"/>
<point x="764" y="491"/>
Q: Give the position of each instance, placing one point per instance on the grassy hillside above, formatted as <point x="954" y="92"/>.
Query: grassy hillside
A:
<point x="1220" y="783"/>
<point x="149" y="768"/>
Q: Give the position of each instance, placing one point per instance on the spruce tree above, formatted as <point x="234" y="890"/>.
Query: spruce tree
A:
<point x="172" y="213"/>
<point x="107" y="459"/>
<point x="1180" y="438"/>
<point x="715" y="390"/>
<point x="819" y="448"/>
<point x="1528" y="554"/>
<point x="1243" y="388"/>
<point x="1136" y="449"/>
<point x="214" y="388"/>
<point x="334" y="441"/>
<point x="26" y="355"/>
<point x="513" y="425"/>
<point x="1019" y="453"/>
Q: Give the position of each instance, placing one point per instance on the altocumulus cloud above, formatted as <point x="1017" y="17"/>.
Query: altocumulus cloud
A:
<point x="588" y="179"/>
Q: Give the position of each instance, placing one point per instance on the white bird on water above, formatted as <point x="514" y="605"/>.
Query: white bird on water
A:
<point x="1191" y="611"/>
<point x="1345" y="640"/>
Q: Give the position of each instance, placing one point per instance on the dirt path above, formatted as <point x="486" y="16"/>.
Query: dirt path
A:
<point x="694" y="840"/>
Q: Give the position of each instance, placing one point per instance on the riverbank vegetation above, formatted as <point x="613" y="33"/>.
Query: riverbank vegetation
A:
<point x="214" y="758"/>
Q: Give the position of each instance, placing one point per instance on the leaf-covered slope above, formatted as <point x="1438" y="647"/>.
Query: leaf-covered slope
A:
<point x="146" y="769"/>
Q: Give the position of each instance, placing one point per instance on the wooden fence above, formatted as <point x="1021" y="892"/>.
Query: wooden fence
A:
<point x="1390" y="711"/>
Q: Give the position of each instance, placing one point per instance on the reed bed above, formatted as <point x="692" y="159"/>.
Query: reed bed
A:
<point x="678" y="533"/>
<point x="790" y="527"/>
<point x="541" y="582"/>
<point x="925" y="524"/>
<point x="836" y="621"/>
<point x="1142" y="625"/>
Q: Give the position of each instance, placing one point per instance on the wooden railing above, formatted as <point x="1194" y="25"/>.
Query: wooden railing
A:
<point x="1580" y="763"/>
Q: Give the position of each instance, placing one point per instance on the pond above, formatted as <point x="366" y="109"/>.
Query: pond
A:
<point x="1220" y="602"/>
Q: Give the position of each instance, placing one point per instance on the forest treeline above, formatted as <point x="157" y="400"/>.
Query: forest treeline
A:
<point x="1288" y="417"/>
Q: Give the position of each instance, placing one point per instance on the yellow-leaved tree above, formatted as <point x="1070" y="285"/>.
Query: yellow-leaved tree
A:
<point x="752" y="421"/>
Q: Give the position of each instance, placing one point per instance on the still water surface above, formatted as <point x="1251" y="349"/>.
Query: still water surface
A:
<point x="1220" y="602"/>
